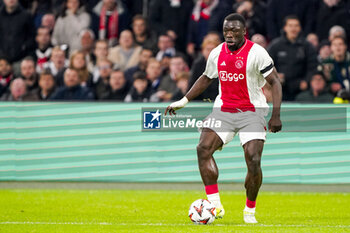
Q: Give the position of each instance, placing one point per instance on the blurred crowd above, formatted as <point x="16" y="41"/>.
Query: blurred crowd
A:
<point x="155" y="50"/>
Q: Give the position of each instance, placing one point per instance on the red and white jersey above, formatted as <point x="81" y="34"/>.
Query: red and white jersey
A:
<point x="242" y="75"/>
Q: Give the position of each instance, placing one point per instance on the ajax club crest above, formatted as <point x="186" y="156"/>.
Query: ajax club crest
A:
<point x="239" y="64"/>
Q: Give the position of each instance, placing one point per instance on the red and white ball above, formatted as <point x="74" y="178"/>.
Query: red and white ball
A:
<point x="202" y="211"/>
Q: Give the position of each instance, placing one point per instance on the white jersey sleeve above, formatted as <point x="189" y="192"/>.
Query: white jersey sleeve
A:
<point x="211" y="69"/>
<point x="264" y="63"/>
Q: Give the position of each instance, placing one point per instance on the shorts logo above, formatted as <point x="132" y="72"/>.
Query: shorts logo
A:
<point x="224" y="76"/>
<point x="239" y="64"/>
<point x="151" y="120"/>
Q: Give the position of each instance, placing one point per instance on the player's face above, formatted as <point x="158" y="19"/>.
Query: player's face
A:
<point x="234" y="32"/>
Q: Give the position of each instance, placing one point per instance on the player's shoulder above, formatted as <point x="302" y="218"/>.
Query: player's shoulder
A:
<point x="258" y="51"/>
<point x="216" y="51"/>
<point x="258" y="48"/>
<point x="219" y="47"/>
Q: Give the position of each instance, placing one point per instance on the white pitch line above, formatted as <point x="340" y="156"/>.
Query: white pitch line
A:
<point x="166" y="224"/>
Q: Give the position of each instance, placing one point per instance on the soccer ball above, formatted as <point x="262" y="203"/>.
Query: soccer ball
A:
<point x="202" y="211"/>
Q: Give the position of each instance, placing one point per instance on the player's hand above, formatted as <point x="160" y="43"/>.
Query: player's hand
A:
<point x="176" y="106"/>
<point x="275" y="124"/>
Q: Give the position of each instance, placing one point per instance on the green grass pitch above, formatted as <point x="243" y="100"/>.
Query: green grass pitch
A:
<point x="24" y="210"/>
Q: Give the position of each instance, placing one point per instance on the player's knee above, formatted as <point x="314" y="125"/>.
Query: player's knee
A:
<point x="253" y="161"/>
<point x="254" y="165"/>
<point x="204" y="150"/>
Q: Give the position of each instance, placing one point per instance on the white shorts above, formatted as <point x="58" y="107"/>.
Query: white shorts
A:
<point x="249" y="125"/>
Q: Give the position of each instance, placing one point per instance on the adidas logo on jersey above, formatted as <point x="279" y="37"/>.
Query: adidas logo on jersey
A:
<point x="223" y="63"/>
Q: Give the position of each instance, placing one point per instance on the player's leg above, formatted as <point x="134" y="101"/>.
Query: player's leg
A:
<point x="209" y="142"/>
<point x="252" y="152"/>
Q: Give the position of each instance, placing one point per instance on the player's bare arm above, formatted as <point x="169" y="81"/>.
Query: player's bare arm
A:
<point x="275" y="123"/>
<point x="198" y="87"/>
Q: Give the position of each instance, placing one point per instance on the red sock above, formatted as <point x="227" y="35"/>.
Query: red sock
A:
<point x="250" y="204"/>
<point x="211" y="189"/>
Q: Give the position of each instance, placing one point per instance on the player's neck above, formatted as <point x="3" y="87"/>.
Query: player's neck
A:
<point x="236" y="47"/>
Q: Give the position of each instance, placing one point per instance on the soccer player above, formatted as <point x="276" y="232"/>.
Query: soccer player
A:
<point x="242" y="68"/>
